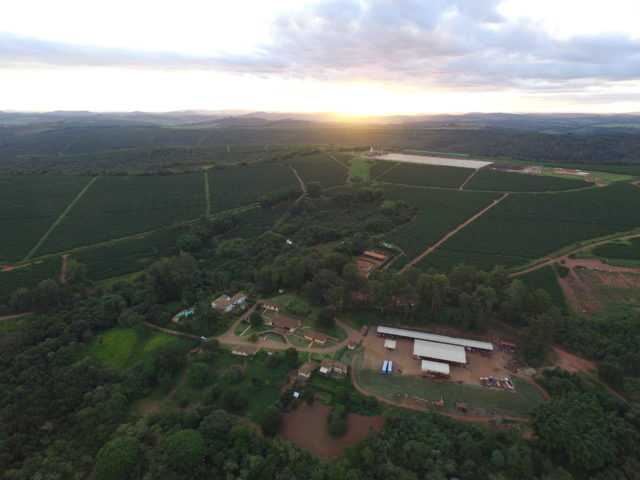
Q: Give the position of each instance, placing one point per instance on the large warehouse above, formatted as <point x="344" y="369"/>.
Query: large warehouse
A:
<point x="439" y="351"/>
<point x="432" y="337"/>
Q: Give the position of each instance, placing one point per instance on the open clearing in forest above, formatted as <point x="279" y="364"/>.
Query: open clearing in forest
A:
<point x="306" y="427"/>
<point x="120" y="348"/>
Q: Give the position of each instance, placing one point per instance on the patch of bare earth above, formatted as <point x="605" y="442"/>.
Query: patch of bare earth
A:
<point x="307" y="428"/>
<point x="572" y="363"/>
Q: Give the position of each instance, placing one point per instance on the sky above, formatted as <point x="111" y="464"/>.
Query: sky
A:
<point x="352" y="57"/>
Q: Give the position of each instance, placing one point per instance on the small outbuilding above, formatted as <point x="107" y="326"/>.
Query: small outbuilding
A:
<point x="437" y="369"/>
<point x="307" y="369"/>
<point x="244" y="350"/>
<point x="390" y="344"/>
<point x="316" y="337"/>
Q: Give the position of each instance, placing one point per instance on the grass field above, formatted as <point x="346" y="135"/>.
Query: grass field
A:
<point x="426" y="175"/>
<point x="29" y="276"/>
<point x="237" y="186"/>
<point x="120" y="348"/>
<point x="495" y="180"/>
<point x="527" y="227"/>
<point x="118" y="206"/>
<point x="440" y="211"/>
<point x="14" y="324"/>
<point x="359" y="169"/>
<point x="319" y="167"/>
<point x="29" y="205"/>
<point x="620" y="250"/>
<point x="479" y="399"/>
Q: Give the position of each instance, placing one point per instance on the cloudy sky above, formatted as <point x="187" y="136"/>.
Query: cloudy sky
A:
<point x="355" y="57"/>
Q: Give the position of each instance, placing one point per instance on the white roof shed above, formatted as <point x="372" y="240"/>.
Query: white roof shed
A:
<point x="432" y="337"/>
<point x="436" y="367"/>
<point x="439" y="351"/>
<point x="390" y="344"/>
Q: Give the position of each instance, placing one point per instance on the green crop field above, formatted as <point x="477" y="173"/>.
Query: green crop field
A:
<point x="621" y="250"/>
<point x="120" y="348"/>
<point x="29" y="204"/>
<point x="444" y="259"/>
<point x="234" y="187"/>
<point x="127" y="256"/>
<point x="426" y="175"/>
<point x="379" y="168"/>
<point x="319" y="167"/>
<point x="531" y="226"/>
<point x="118" y="206"/>
<point x="28" y="276"/>
<point x="440" y="211"/>
<point x="520" y="182"/>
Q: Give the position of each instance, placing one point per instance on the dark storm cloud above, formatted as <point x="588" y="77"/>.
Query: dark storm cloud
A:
<point x="450" y="43"/>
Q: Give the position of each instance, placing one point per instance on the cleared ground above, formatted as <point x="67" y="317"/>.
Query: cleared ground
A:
<point x="429" y="160"/>
<point x="307" y="428"/>
<point x="404" y="364"/>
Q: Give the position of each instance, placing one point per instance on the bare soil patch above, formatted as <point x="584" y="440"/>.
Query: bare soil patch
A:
<point x="307" y="428"/>
<point x="572" y="363"/>
<point x="592" y="284"/>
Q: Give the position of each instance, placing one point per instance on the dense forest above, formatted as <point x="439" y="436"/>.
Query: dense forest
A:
<point x="90" y="147"/>
<point x="63" y="415"/>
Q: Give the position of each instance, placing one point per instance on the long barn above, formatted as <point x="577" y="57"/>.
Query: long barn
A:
<point x="432" y="337"/>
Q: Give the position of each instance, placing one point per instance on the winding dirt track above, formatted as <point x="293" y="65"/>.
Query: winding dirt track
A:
<point x="439" y="243"/>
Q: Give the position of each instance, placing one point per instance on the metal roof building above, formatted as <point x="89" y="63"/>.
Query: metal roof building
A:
<point x="432" y="337"/>
<point x="435" y="367"/>
<point x="439" y="351"/>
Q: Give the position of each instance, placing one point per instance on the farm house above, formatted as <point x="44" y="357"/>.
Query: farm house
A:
<point x="307" y="369"/>
<point x="244" y="350"/>
<point x="282" y="322"/>
<point x="270" y="307"/>
<point x="472" y="345"/>
<point x="316" y="337"/>
<point x="227" y="304"/>
<point x="439" y="351"/>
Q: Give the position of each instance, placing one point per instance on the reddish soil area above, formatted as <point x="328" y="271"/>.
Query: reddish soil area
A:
<point x="591" y="284"/>
<point x="595" y="264"/>
<point x="307" y="428"/>
<point x="572" y="363"/>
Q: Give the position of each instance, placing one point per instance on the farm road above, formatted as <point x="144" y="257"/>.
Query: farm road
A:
<point x="439" y="243"/>
<point x="473" y="174"/>
<point x="59" y="220"/>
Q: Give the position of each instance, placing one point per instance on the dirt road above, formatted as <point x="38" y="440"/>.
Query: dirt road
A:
<point x="439" y="243"/>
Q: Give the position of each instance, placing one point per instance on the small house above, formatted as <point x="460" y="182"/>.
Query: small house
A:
<point x="316" y="337"/>
<point x="222" y="303"/>
<point x="270" y="307"/>
<point x="307" y="369"/>
<point x="390" y="344"/>
<point x="227" y="304"/>
<point x="282" y="322"/>
<point x="328" y="367"/>
<point x="352" y="345"/>
<point x="244" y="350"/>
